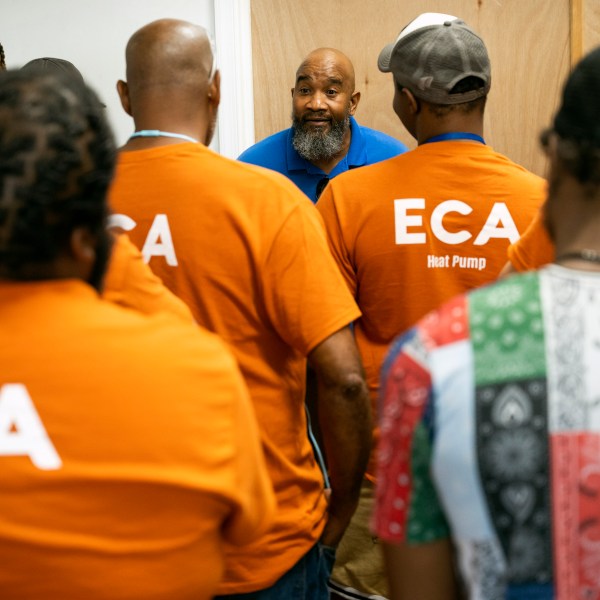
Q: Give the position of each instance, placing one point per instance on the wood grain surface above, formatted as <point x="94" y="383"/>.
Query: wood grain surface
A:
<point x="529" y="43"/>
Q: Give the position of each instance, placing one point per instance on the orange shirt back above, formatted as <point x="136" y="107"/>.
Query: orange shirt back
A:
<point x="130" y="282"/>
<point x="128" y="451"/>
<point x="411" y="232"/>
<point x="248" y="254"/>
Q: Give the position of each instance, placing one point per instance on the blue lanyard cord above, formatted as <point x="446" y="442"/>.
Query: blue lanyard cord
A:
<point x="158" y="133"/>
<point x="455" y="135"/>
<point x="317" y="450"/>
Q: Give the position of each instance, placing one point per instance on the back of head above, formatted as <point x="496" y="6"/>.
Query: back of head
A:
<point x="57" y="157"/>
<point x="439" y="59"/>
<point x="577" y="122"/>
<point x="168" y="54"/>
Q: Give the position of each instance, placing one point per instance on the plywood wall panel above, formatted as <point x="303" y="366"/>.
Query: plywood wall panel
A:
<point x="591" y="25"/>
<point x="528" y="44"/>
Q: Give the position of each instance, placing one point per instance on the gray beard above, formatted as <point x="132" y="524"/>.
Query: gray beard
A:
<point x="319" y="145"/>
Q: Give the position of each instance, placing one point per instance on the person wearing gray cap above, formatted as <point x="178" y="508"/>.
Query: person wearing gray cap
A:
<point x="413" y="231"/>
<point x="57" y="65"/>
<point x="497" y="395"/>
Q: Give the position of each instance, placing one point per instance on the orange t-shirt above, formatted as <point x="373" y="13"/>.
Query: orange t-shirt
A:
<point x="534" y="249"/>
<point x="413" y="231"/>
<point x="130" y="282"/>
<point x="247" y="252"/>
<point x="129" y="451"/>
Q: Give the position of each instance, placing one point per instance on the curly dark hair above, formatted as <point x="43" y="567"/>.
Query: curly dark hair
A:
<point x="57" y="156"/>
<point x="2" y="59"/>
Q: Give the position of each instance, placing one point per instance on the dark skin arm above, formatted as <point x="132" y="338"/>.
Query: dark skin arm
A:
<point x="345" y="422"/>
<point x="420" y="572"/>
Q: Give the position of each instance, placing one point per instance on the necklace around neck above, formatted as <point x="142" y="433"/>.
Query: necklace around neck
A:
<point x="158" y="133"/>
<point x="587" y="254"/>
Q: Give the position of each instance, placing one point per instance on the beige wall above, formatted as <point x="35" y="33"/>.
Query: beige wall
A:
<point x="529" y="43"/>
<point x="591" y="24"/>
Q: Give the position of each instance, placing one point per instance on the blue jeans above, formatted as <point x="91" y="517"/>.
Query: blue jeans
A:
<point x="306" y="580"/>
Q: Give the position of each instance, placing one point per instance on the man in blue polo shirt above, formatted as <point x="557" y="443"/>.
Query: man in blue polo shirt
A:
<point x="324" y="139"/>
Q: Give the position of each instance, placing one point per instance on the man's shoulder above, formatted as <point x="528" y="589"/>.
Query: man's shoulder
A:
<point x="375" y="136"/>
<point x="378" y="145"/>
<point x="507" y="167"/>
<point x="269" y="152"/>
<point x="170" y="348"/>
<point x="227" y="186"/>
<point x="378" y="169"/>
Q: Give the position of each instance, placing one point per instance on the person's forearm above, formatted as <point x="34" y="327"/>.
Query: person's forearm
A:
<point x="345" y="422"/>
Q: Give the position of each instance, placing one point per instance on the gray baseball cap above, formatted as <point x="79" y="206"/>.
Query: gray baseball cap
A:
<point x="48" y="63"/>
<point x="55" y="65"/>
<point x="432" y="54"/>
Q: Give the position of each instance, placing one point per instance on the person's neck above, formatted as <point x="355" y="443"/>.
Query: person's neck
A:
<point x="328" y="164"/>
<point x="160" y="132"/>
<point x="582" y="253"/>
<point x="576" y="239"/>
<point x="431" y="126"/>
<point x="582" y="259"/>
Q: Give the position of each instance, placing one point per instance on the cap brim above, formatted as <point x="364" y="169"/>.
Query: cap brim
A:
<point x="385" y="56"/>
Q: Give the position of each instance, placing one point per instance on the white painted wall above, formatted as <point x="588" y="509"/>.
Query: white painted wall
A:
<point x="92" y="34"/>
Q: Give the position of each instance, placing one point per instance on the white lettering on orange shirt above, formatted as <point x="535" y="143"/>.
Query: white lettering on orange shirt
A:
<point x="499" y="223"/>
<point x="159" y="241"/>
<point x="22" y="432"/>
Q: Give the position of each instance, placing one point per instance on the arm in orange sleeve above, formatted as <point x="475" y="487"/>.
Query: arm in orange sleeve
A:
<point x="532" y="250"/>
<point x="310" y="307"/>
<point x="344" y="411"/>
<point x="130" y="282"/>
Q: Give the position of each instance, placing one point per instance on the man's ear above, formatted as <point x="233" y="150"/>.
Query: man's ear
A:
<point x="123" y="91"/>
<point x="213" y="97"/>
<point x="413" y="104"/>
<point x="82" y="246"/>
<point x="214" y="92"/>
<point x="292" y="90"/>
<point x="354" y="100"/>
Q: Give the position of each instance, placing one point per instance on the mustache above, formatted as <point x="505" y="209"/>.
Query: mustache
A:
<point x="316" y="116"/>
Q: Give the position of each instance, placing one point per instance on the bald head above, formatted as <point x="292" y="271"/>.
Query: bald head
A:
<point x="332" y="60"/>
<point x="172" y="84"/>
<point x="169" y="53"/>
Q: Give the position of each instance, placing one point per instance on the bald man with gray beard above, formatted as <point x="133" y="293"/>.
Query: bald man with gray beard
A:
<point x="325" y="139"/>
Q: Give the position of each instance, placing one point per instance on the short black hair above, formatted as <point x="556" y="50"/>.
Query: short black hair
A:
<point x="467" y="84"/>
<point x="2" y="59"/>
<point x="57" y="157"/>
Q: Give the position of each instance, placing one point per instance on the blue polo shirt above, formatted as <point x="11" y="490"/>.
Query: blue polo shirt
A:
<point x="367" y="146"/>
